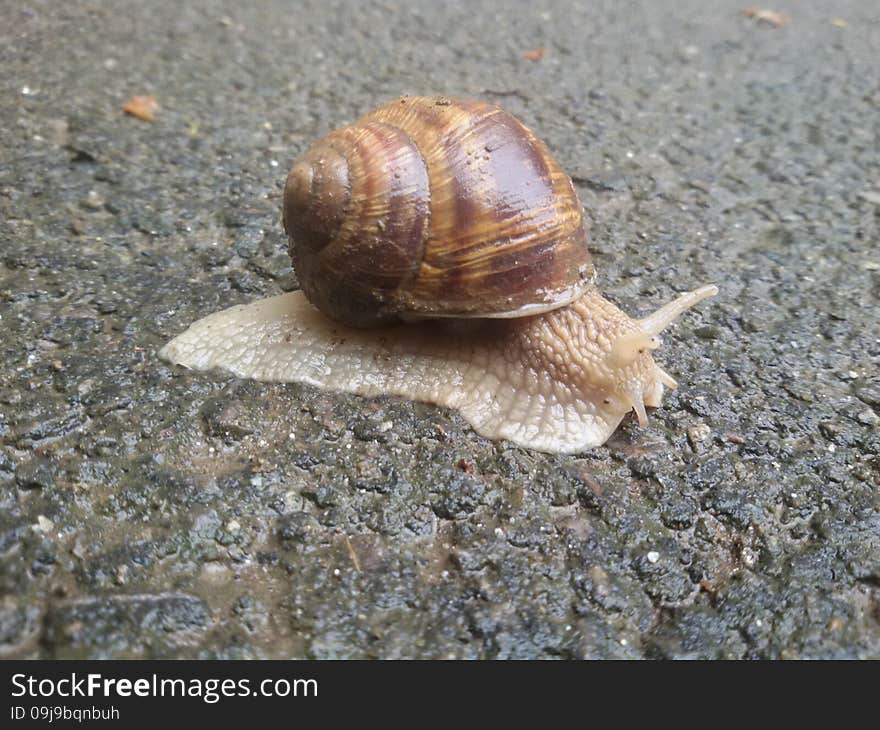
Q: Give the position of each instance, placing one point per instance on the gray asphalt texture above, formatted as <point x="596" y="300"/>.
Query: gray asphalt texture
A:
<point x="149" y="512"/>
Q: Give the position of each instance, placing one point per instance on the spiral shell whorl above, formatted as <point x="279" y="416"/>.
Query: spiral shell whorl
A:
<point x="434" y="208"/>
<point x="356" y="210"/>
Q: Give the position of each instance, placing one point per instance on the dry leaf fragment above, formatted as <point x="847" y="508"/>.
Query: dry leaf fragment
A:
<point x="708" y="586"/>
<point x="763" y="15"/>
<point x="535" y="54"/>
<point x="142" y="107"/>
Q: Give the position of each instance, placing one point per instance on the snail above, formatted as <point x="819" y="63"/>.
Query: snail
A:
<point x="442" y="255"/>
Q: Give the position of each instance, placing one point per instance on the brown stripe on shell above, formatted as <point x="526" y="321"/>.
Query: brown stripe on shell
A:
<point x="506" y="225"/>
<point x="440" y="128"/>
<point x="503" y="185"/>
<point x="538" y="215"/>
<point x="393" y="207"/>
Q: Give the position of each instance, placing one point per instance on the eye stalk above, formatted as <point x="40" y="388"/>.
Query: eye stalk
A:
<point x="655" y="323"/>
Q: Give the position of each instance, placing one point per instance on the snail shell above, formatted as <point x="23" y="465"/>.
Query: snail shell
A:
<point x="432" y="207"/>
<point x="453" y="212"/>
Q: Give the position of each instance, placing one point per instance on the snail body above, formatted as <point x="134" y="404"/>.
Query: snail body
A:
<point x="453" y="213"/>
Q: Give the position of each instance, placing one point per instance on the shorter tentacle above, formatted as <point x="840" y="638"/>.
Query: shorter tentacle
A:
<point x="636" y="398"/>
<point x="664" y="377"/>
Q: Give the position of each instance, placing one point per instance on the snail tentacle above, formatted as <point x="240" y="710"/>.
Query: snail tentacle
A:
<point x="637" y="400"/>
<point x="655" y="323"/>
<point x="665" y="378"/>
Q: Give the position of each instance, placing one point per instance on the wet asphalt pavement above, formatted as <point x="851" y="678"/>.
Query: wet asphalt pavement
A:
<point x="150" y="512"/>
